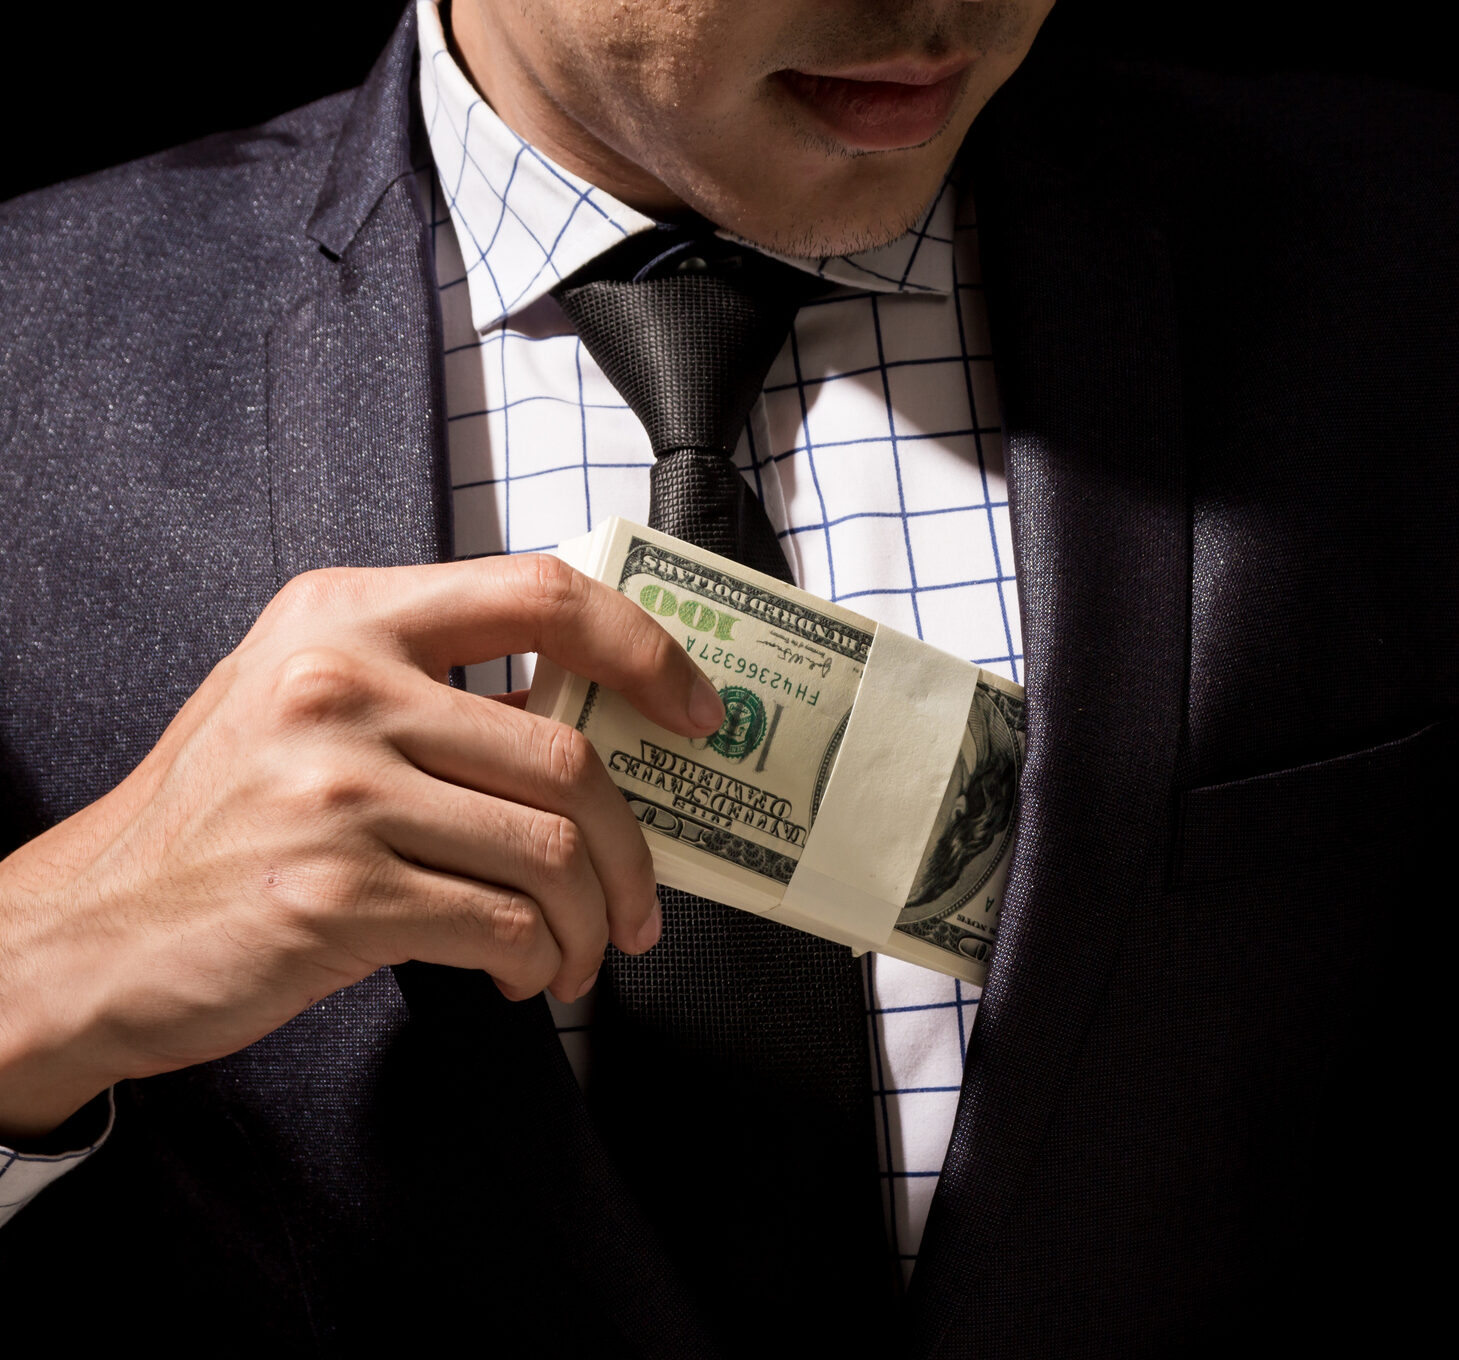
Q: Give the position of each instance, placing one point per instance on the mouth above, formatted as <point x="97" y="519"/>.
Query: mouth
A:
<point x="885" y="106"/>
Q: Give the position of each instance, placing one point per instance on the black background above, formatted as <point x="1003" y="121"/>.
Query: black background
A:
<point x="142" y="77"/>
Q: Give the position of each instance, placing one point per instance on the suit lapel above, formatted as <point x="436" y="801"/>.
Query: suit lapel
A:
<point x="357" y="441"/>
<point x="473" y="1085"/>
<point x="356" y="435"/>
<point x="1083" y="318"/>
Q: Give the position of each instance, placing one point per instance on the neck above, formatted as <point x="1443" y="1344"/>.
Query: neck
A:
<point x="485" y="50"/>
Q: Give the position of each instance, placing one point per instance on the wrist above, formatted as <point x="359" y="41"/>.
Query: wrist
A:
<point x="77" y="1133"/>
<point x="49" y="1046"/>
<point x="42" y="1085"/>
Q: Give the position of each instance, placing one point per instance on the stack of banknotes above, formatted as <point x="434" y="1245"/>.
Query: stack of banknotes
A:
<point x="729" y="816"/>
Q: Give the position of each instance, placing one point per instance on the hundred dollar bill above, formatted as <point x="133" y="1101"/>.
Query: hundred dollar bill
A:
<point x="952" y="910"/>
<point x="727" y="816"/>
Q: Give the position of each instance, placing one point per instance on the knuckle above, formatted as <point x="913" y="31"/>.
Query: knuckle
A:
<point x="313" y="590"/>
<point x="326" y="789"/>
<point x="553" y="588"/>
<point x="516" y="930"/>
<point x="569" y="758"/>
<point x="316" y="684"/>
<point x="556" y="847"/>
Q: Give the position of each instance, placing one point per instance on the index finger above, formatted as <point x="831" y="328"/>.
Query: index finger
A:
<point x="457" y="613"/>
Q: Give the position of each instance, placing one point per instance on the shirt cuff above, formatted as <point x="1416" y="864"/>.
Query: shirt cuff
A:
<point x="23" y="1175"/>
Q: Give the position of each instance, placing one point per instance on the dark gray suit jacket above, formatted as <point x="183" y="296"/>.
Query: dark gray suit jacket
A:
<point x="1224" y="314"/>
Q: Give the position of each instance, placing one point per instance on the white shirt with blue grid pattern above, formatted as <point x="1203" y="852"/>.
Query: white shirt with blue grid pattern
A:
<point x="876" y="449"/>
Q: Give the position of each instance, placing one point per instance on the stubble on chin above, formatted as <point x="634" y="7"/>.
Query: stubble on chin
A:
<point x="860" y="201"/>
<point x="833" y="234"/>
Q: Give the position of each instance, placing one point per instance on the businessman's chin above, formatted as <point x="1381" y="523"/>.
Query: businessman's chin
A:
<point x="854" y="203"/>
<point x="811" y="195"/>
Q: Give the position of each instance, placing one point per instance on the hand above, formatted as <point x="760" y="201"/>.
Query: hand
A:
<point x="324" y="805"/>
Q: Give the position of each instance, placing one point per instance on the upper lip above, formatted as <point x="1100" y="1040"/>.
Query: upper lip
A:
<point x="897" y="71"/>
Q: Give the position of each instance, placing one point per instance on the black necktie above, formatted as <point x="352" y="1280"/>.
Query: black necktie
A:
<point x="730" y="1071"/>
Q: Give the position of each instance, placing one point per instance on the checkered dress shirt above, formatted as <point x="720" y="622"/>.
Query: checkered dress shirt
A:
<point x="876" y="449"/>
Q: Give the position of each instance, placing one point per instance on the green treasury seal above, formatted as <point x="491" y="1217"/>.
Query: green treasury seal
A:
<point x="744" y="723"/>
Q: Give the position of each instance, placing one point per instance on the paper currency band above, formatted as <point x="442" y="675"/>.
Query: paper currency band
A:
<point x="902" y="740"/>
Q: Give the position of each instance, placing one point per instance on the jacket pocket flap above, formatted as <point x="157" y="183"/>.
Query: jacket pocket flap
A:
<point x="1294" y="816"/>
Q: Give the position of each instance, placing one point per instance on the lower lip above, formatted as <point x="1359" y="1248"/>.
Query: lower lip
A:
<point x="877" y="115"/>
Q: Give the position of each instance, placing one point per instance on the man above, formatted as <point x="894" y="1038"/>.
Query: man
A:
<point x="1225" y="658"/>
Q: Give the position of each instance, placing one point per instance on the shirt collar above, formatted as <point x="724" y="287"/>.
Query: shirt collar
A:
<point x="524" y="223"/>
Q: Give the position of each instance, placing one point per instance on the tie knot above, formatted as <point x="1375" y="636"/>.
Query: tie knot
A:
<point x="685" y="326"/>
<point x="666" y="253"/>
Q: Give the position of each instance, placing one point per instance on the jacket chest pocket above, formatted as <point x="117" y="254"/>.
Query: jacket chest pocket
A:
<point x="1280" y="821"/>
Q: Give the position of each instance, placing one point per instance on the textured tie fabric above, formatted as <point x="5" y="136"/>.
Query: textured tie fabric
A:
<point x="730" y="1071"/>
<point x="685" y="328"/>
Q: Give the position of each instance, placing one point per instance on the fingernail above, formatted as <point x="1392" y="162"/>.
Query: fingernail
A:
<point x="587" y="986"/>
<point x="649" y="932"/>
<point x="705" y="709"/>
